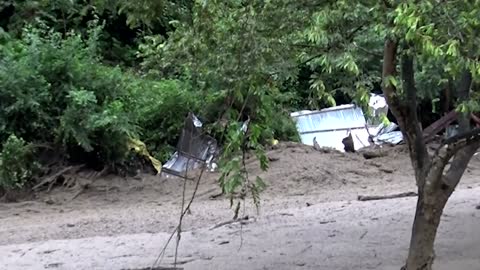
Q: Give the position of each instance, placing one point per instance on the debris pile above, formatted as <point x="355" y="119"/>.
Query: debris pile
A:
<point x="345" y="128"/>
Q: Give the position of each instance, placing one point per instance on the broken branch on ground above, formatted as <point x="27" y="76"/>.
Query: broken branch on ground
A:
<point x="386" y="197"/>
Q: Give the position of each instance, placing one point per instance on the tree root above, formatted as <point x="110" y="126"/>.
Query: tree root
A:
<point x="52" y="179"/>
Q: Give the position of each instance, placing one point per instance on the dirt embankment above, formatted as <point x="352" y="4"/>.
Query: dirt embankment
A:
<point x="299" y="178"/>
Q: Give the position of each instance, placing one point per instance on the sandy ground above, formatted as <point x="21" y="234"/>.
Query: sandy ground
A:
<point x="309" y="219"/>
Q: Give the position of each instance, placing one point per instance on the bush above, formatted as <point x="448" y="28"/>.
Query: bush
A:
<point x="276" y="120"/>
<point x="16" y="163"/>
<point x="284" y="128"/>
<point x="161" y="108"/>
<point x="55" y="89"/>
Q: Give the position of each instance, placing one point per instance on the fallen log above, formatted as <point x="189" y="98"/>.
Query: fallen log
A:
<point x="364" y="198"/>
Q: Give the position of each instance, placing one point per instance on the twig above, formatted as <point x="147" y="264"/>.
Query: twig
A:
<point x="179" y="228"/>
<point x="207" y="192"/>
<point x="162" y="253"/>
<point x="241" y="227"/>
<point x="245" y="186"/>
<point x="386" y="197"/>
<point x="185" y="261"/>
<point x="214" y="196"/>
<point x="245" y="218"/>
<point x="327" y="222"/>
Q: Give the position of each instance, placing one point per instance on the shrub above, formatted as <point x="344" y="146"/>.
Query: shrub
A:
<point x="54" y="89"/>
<point x="284" y="128"/>
<point x="16" y="163"/>
<point x="276" y="120"/>
<point x="161" y="108"/>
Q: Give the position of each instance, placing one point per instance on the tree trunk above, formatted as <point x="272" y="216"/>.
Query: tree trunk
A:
<point x="434" y="187"/>
<point x="432" y="197"/>
<point x="427" y="219"/>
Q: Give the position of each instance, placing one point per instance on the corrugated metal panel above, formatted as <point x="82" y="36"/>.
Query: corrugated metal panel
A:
<point x="331" y="125"/>
<point x="393" y="137"/>
<point x="386" y="134"/>
<point x="340" y="117"/>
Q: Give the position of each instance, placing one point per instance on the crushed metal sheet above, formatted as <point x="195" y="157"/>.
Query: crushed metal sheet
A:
<point x="194" y="148"/>
<point x="394" y="137"/>
<point x="388" y="134"/>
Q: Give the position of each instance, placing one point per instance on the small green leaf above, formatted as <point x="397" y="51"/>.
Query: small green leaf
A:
<point x="392" y="81"/>
<point x="434" y="104"/>
<point x="261" y="185"/>
<point x="384" y="119"/>
<point x="331" y="100"/>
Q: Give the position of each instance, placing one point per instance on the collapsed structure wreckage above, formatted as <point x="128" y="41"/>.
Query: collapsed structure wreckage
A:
<point x="330" y="128"/>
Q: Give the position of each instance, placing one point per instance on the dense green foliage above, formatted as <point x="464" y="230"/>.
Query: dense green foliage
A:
<point x="17" y="163"/>
<point x="226" y="61"/>
<point x="84" y="77"/>
<point x="55" y="90"/>
<point x="58" y="89"/>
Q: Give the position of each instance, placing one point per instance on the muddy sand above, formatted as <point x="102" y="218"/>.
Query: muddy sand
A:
<point x="309" y="218"/>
